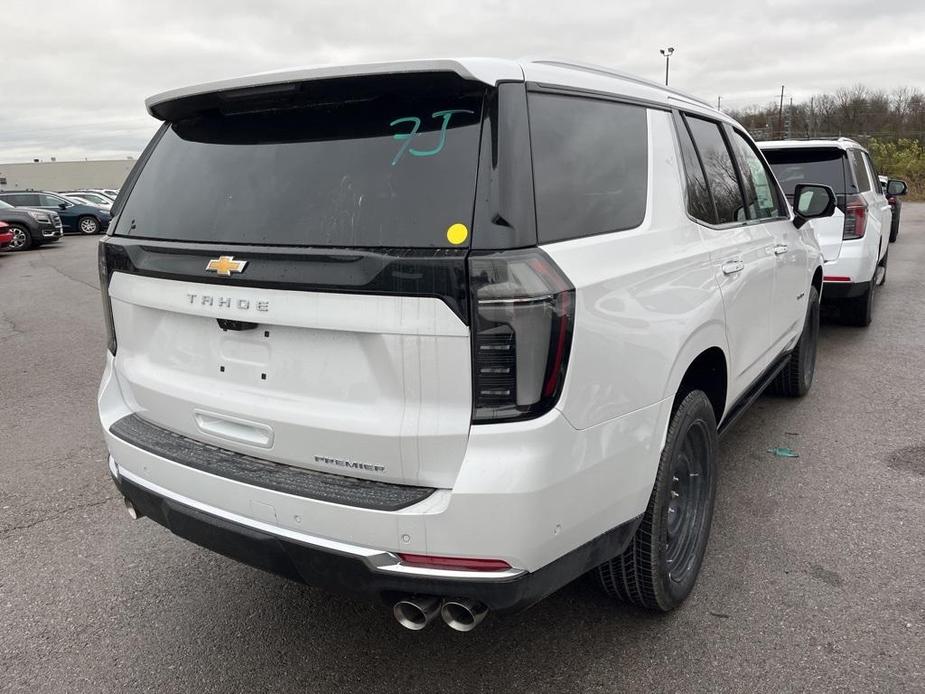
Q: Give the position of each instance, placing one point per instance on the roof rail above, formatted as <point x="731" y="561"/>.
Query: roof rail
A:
<point x="588" y="67"/>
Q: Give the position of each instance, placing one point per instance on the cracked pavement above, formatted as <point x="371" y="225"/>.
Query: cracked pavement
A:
<point x="814" y="577"/>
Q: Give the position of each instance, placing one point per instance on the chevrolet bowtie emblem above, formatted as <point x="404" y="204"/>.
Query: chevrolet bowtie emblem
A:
<point x="225" y="265"/>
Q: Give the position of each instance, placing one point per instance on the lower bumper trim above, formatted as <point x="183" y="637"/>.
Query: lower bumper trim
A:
<point x="843" y="290"/>
<point x="342" y="569"/>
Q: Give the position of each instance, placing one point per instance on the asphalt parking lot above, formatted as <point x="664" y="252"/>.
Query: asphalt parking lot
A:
<point x="814" y="577"/>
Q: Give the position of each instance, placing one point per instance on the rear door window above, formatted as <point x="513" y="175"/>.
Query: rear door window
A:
<point x="376" y="167"/>
<point x="861" y="177"/>
<point x="720" y="171"/>
<point x="760" y="190"/>
<point x="22" y="199"/>
<point x="590" y="165"/>
<point x="874" y="176"/>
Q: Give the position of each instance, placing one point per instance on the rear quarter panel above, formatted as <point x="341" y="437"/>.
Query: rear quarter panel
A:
<point x="647" y="300"/>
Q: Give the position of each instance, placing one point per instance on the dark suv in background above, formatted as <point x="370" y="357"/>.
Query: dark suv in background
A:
<point x="896" y="204"/>
<point x="75" y="216"/>
<point x="31" y="227"/>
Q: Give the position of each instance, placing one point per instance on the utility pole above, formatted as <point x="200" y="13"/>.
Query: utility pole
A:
<point x="719" y="103"/>
<point x="790" y="119"/>
<point x="812" y="118"/>
<point x="780" y="112"/>
<point x="667" y="53"/>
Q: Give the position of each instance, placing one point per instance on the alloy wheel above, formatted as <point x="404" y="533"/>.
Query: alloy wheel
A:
<point x="19" y="239"/>
<point x="689" y="496"/>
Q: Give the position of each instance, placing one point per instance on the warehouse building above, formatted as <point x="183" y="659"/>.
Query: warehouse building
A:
<point x="65" y="175"/>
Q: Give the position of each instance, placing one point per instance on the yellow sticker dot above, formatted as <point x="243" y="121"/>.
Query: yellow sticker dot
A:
<point x="457" y="234"/>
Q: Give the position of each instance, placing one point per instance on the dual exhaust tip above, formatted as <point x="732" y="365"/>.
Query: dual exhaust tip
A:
<point x="417" y="611"/>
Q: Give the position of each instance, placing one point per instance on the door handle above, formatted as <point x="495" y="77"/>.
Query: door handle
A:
<point x="780" y="248"/>
<point x="732" y="267"/>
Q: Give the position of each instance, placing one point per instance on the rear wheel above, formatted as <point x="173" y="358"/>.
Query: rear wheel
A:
<point x="796" y="378"/>
<point x="88" y="225"/>
<point x="22" y="239"/>
<point x="659" y="567"/>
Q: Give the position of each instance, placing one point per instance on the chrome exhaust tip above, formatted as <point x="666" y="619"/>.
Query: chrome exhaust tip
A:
<point x="463" y="614"/>
<point x="130" y="507"/>
<point x="417" y="611"/>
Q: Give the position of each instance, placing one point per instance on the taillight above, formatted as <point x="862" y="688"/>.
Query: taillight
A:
<point x="523" y="312"/>
<point x="105" y="270"/>
<point x="855" y="218"/>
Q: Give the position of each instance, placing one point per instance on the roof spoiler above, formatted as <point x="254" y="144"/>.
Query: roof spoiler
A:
<point x="176" y="103"/>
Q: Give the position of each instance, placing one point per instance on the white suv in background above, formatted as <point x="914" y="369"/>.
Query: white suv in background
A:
<point x="855" y="240"/>
<point x="375" y="329"/>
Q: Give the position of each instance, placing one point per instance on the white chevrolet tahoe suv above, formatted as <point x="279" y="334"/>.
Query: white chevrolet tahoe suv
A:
<point x="855" y="240"/>
<point x="448" y="332"/>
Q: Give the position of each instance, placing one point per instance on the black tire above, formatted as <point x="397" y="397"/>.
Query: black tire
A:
<point x="659" y="567"/>
<point x="22" y="238"/>
<point x="88" y="225"/>
<point x="796" y="378"/>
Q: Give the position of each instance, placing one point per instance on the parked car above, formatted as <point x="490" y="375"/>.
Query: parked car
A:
<point x="30" y="227"/>
<point x="896" y="205"/>
<point x="75" y="216"/>
<point x="855" y="240"/>
<point x="89" y="197"/>
<point x="481" y="355"/>
<point x="6" y="235"/>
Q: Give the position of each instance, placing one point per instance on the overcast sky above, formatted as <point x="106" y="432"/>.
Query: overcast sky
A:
<point x="73" y="76"/>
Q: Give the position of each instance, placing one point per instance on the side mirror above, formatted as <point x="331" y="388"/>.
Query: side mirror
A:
<point x="896" y="187"/>
<point x="62" y="205"/>
<point x="812" y="201"/>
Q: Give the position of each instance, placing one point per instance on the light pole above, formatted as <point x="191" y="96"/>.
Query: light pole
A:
<point x="667" y="53"/>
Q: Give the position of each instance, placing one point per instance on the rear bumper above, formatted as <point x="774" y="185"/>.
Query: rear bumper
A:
<point x="550" y="500"/>
<point x="854" y="267"/>
<point x="345" y="568"/>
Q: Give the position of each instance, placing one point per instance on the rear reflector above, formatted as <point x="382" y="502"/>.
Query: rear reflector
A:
<point x="836" y="278"/>
<point x="457" y="563"/>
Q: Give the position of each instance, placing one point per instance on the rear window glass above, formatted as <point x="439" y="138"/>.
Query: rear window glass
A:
<point x="390" y="169"/>
<point x="807" y="165"/>
<point x="699" y="202"/>
<point x="590" y="165"/>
